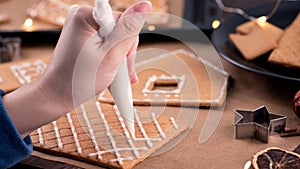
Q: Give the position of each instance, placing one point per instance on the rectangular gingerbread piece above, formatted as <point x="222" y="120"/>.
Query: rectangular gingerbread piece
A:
<point x="96" y="133"/>
<point x="17" y="73"/>
<point x="177" y="78"/>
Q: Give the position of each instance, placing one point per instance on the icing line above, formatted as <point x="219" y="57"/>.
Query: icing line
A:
<point x="109" y="134"/>
<point x="180" y="80"/>
<point x="74" y="133"/>
<point x="91" y="131"/>
<point x="20" y="71"/>
<point x="40" y="134"/>
<point x="161" y="132"/>
<point x="139" y="123"/>
<point x="129" y="140"/>
<point x="174" y="122"/>
<point x="57" y="135"/>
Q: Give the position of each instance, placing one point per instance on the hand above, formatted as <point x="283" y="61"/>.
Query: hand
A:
<point x="80" y="51"/>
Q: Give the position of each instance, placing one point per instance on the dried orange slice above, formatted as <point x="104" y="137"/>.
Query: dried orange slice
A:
<point x="276" y="158"/>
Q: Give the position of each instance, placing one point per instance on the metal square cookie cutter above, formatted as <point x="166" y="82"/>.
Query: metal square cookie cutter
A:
<point x="258" y="124"/>
<point x="9" y="48"/>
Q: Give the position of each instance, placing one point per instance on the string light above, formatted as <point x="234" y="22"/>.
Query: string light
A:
<point x="151" y="28"/>
<point x="247" y="16"/>
<point x="27" y="25"/>
<point x="215" y="24"/>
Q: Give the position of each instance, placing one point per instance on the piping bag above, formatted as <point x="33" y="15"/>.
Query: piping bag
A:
<point x="120" y="88"/>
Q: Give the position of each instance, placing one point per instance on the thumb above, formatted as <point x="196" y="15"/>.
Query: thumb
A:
<point x="130" y="22"/>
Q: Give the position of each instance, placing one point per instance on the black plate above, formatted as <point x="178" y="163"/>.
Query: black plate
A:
<point x="286" y="13"/>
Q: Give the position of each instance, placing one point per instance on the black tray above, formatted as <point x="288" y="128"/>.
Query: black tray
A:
<point x="286" y="13"/>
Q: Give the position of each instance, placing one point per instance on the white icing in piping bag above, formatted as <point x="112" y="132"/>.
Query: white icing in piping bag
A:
<point x="120" y="88"/>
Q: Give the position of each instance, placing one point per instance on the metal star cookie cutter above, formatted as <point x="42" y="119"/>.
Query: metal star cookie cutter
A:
<point x="258" y="124"/>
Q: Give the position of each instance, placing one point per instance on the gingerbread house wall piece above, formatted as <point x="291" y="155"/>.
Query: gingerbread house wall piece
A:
<point x="17" y="73"/>
<point x="96" y="133"/>
<point x="177" y="78"/>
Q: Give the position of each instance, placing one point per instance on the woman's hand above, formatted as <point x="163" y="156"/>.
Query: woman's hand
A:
<point x="83" y="65"/>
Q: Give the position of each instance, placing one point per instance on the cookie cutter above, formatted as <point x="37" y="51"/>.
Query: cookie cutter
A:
<point x="9" y="48"/>
<point x="258" y="124"/>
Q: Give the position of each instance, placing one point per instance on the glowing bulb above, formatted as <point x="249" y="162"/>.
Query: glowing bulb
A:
<point x="215" y="24"/>
<point x="151" y="28"/>
<point x="262" y="19"/>
<point x="28" y="23"/>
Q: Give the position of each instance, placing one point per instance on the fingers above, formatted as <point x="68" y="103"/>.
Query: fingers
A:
<point x="81" y="16"/>
<point x="122" y="40"/>
<point x="131" y="60"/>
<point x="130" y="22"/>
<point x="143" y="7"/>
<point x="111" y="62"/>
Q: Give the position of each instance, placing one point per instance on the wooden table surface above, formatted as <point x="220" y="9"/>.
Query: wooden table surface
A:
<point x="221" y="150"/>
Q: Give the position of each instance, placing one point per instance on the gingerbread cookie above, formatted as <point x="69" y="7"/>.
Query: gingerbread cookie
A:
<point x="54" y="11"/>
<point x="97" y="134"/>
<point x="288" y="51"/>
<point x="178" y="78"/>
<point x="272" y="30"/>
<point x="254" y="44"/>
<point x="17" y="73"/>
<point x="159" y="11"/>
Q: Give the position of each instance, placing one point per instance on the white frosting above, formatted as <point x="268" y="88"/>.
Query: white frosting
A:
<point x="75" y="136"/>
<point x="130" y="142"/>
<point x="40" y="134"/>
<point x="26" y="71"/>
<point x="180" y="80"/>
<point x="174" y="122"/>
<point x="103" y="15"/>
<point x="57" y="135"/>
<point x="161" y="132"/>
<point x="90" y="129"/>
<point x="114" y="149"/>
<point x="139" y="123"/>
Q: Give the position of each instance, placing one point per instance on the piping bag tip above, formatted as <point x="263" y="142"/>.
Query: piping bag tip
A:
<point x="130" y="126"/>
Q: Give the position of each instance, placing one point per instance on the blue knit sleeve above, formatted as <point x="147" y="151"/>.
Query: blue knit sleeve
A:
<point x="13" y="148"/>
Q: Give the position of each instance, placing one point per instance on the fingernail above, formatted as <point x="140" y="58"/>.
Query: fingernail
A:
<point x="134" y="78"/>
<point x="143" y="7"/>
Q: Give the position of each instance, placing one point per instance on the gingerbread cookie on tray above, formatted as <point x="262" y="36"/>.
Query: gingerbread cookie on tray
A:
<point x="54" y="11"/>
<point x="17" y="73"/>
<point x="96" y="133"/>
<point x="178" y="78"/>
<point x="288" y="51"/>
<point x="159" y="12"/>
